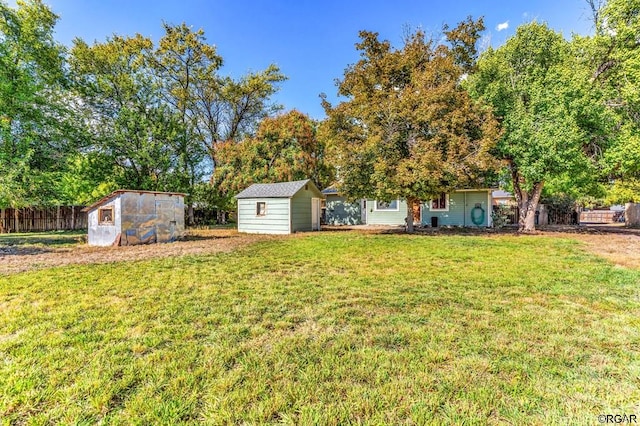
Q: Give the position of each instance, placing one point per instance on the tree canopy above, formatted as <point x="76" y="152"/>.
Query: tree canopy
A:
<point x="539" y="113"/>
<point x="285" y="148"/>
<point x="34" y="124"/>
<point x="550" y="113"/>
<point x="408" y="129"/>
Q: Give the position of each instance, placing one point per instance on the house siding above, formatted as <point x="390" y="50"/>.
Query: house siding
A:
<point x="301" y="209"/>
<point x="459" y="214"/>
<point x="386" y="217"/>
<point x="275" y="221"/>
<point x="341" y="212"/>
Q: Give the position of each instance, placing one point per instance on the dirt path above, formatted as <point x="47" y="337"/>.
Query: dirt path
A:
<point x="20" y="259"/>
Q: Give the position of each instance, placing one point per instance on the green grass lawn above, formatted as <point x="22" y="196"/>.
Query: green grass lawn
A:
<point x="329" y="328"/>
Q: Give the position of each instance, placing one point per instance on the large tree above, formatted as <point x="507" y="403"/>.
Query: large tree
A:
<point x="125" y="115"/>
<point x="183" y="63"/>
<point x="34" y="124"/>
<point x="213" y="109"/>
<point x="285" y="148"/>
<point x="408" y="129"/>
<point x="615" y="55"/>
<point x="551" y="115"/>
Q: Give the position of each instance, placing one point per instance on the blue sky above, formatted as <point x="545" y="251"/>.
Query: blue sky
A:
<point x="311" y="41"/>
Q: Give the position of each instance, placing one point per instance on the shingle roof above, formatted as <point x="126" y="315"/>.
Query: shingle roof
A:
<point x="502" y="194"/>
<point x="330" y="191"/>
<point x="273" y="190"/>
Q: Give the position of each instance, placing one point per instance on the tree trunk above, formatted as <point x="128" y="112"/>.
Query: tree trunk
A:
<point x="409" y="218"/>
<point x="191" y="220"/>
<point x="527" y="202"/>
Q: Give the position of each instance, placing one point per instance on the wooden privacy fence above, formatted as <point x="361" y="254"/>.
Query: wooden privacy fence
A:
<point x="42" y="219"/>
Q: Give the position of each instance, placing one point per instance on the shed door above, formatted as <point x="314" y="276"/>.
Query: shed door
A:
<point x="315" y="214"/>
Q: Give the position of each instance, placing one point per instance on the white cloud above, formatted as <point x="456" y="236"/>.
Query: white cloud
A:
<point x="503" y="26"/>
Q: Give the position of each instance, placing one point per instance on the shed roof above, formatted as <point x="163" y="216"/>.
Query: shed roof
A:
<point x="502" y="194"/>
<point x="275" y="190"/>
<point x="330" y="191"/>
<point x="122" y="191"/>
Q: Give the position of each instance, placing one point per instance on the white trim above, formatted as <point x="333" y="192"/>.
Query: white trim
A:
<point x="265" y="208"/>
<point x="489" y="210"/>
<point x="376" y="209"/>
<point x="290" y="215"/>
<point x="238" y="215"/>
<point x="316" y="210"/>
<point x="446" y="204"/>
<point x="473" y="190"/>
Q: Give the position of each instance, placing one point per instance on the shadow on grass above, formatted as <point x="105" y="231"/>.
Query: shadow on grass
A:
<point x="35" y="240"/>
<point x="189" y="237"/>
<point x="22" y="251"/>
<point x="470" y="231"/>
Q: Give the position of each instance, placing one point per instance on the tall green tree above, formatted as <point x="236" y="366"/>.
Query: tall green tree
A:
<point x="408" y="129"/>
<point x="615" y="64"/>
<point x="551" y="114"/>
<point x="34" y="122"/>
<point x="124" y="112"/>
<point x="285" y="148"/>
<point x="183" y="62"/>
<point x="212" y="109"/>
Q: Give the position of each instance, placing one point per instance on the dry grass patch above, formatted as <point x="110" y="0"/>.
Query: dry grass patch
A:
<point x="32" y="253"/>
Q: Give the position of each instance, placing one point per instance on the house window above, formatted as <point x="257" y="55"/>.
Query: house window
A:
<point x="387" y="205"/>
<point x="441" y="203"/>
<point x="261" y="208"/>
<point x="105" y="216"/>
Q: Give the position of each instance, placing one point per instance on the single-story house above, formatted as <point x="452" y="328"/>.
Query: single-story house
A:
<point x="339" y="211"/>
<point x="379" y="212"/>
<point x="129" y="217"/>
<point x="464" y="207"/>
<point x="279" y="208"/>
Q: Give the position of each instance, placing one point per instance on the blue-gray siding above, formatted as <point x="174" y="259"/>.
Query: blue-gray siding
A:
<point x="386" y="217"/>
<point x="341" y="212"/>
<point x="301" y="212"/>
<point x="461" y="210"/>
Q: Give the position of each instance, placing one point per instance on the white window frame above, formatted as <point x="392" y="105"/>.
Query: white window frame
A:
<point x="375" y="207"/>
<point x="265" y="208"/>
<point x="446" y="204"/>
